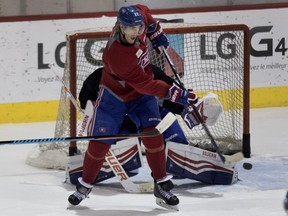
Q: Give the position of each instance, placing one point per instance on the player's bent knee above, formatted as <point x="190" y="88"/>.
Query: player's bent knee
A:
<point x="155" y="150"/>
<point x="97" y="150"/>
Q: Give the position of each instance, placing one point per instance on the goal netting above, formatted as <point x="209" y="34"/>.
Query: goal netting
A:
<point x="209" y="58"/>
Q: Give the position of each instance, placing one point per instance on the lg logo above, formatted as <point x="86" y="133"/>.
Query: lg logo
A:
<point x="267" y="43"/>
<point x="224" y="50"/>
<point x="261" y="45"/>
<point x="59" y="62"/>
<point x="88" y="51"/>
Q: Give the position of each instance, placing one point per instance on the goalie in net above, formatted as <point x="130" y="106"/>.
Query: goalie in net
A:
<point x="214" y="172"/>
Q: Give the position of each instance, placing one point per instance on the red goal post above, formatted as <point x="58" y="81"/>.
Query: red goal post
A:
<point x="209" y="58"/>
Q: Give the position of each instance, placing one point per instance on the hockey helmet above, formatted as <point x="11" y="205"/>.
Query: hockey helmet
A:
<point x="131" y="21"/>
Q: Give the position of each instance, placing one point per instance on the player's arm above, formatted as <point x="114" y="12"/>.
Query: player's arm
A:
<point x="160" y="75"/>
<point x="154" y="31"/>
<point x="145" y="12"/>
<point x="128" y="70"/>
<point x="168" y="105"/>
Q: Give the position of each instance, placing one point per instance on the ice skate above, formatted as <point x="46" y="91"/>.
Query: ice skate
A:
<point x="163" y="195"/>
<point x="286" y="203"/>
<point x="82" y="191"/>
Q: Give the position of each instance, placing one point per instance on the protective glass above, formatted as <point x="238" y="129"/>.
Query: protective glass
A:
<point x="132" y="30"/>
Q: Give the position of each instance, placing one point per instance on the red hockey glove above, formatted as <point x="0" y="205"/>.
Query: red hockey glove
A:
<point x="157" y="37"/>
<point x="181" y="96"/>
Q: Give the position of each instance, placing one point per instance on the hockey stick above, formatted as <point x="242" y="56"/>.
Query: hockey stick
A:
<point x="110" y="158"/>
<point x="226" y="160"/>
<point x="71" y="97"/>
<point x="159" y="129"/>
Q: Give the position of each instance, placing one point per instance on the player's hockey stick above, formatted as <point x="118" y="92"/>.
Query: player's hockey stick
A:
<point x="226" y="160"/>
<point x="110" y="158"/>
<point x="159" y="129"/>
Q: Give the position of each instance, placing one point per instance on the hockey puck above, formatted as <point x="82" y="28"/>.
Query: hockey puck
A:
<point x="247" y="166"/>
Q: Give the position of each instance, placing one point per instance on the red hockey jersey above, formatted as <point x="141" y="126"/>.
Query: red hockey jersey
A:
<point x="127" y="72"/>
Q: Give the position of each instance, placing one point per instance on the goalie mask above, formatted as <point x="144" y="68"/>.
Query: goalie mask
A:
<point x="131" y="21"/>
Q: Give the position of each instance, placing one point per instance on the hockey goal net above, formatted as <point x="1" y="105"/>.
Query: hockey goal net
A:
<point x="210" y="58"/>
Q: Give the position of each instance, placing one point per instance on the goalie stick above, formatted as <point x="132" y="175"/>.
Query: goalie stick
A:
<point x="110" y="157"/>
<point x="228" y="160"/>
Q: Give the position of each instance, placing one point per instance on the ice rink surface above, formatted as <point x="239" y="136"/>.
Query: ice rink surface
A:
<point x="30" y="191"/>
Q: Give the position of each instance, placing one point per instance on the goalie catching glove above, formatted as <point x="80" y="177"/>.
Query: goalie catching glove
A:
<point x="181" y="96"/>
<point x="209" y="108"/>
<point x="157" y="37"/>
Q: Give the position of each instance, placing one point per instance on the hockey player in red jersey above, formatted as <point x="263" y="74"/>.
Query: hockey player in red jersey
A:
<point x="127" y="87"/>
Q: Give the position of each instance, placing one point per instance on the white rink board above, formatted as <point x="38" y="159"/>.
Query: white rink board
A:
<point x="21" y="57"/>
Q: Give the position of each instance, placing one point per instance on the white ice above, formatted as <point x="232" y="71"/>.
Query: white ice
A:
<point x="29" y="191"/>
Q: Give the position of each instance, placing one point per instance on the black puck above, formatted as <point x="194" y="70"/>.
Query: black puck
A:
<point x="247" y="166"/>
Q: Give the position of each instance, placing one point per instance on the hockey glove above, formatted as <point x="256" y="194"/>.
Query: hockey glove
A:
<point x="190" y="117"/>
<point x="181" y="96"/>
<point x="157" y="37"/>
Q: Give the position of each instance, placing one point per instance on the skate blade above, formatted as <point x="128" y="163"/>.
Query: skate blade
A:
<point x="161" y="203"/>
<point x="69" y="206"/>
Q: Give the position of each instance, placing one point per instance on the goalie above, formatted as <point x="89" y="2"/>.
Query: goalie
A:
<point x="177" y="147"/>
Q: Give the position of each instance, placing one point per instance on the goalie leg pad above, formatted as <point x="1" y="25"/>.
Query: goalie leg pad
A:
<point x="127" y="152"/>
<point x="194" y="163"/>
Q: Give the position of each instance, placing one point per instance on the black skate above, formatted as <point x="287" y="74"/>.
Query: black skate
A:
<point x="82" y="191"/>
<point x="286" y="203"/>
<point x="163" y="195"/>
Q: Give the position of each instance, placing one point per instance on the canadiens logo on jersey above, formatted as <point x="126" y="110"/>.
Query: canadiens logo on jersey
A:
<point x="143" y="58"/>
<point x="102" y="129"/>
